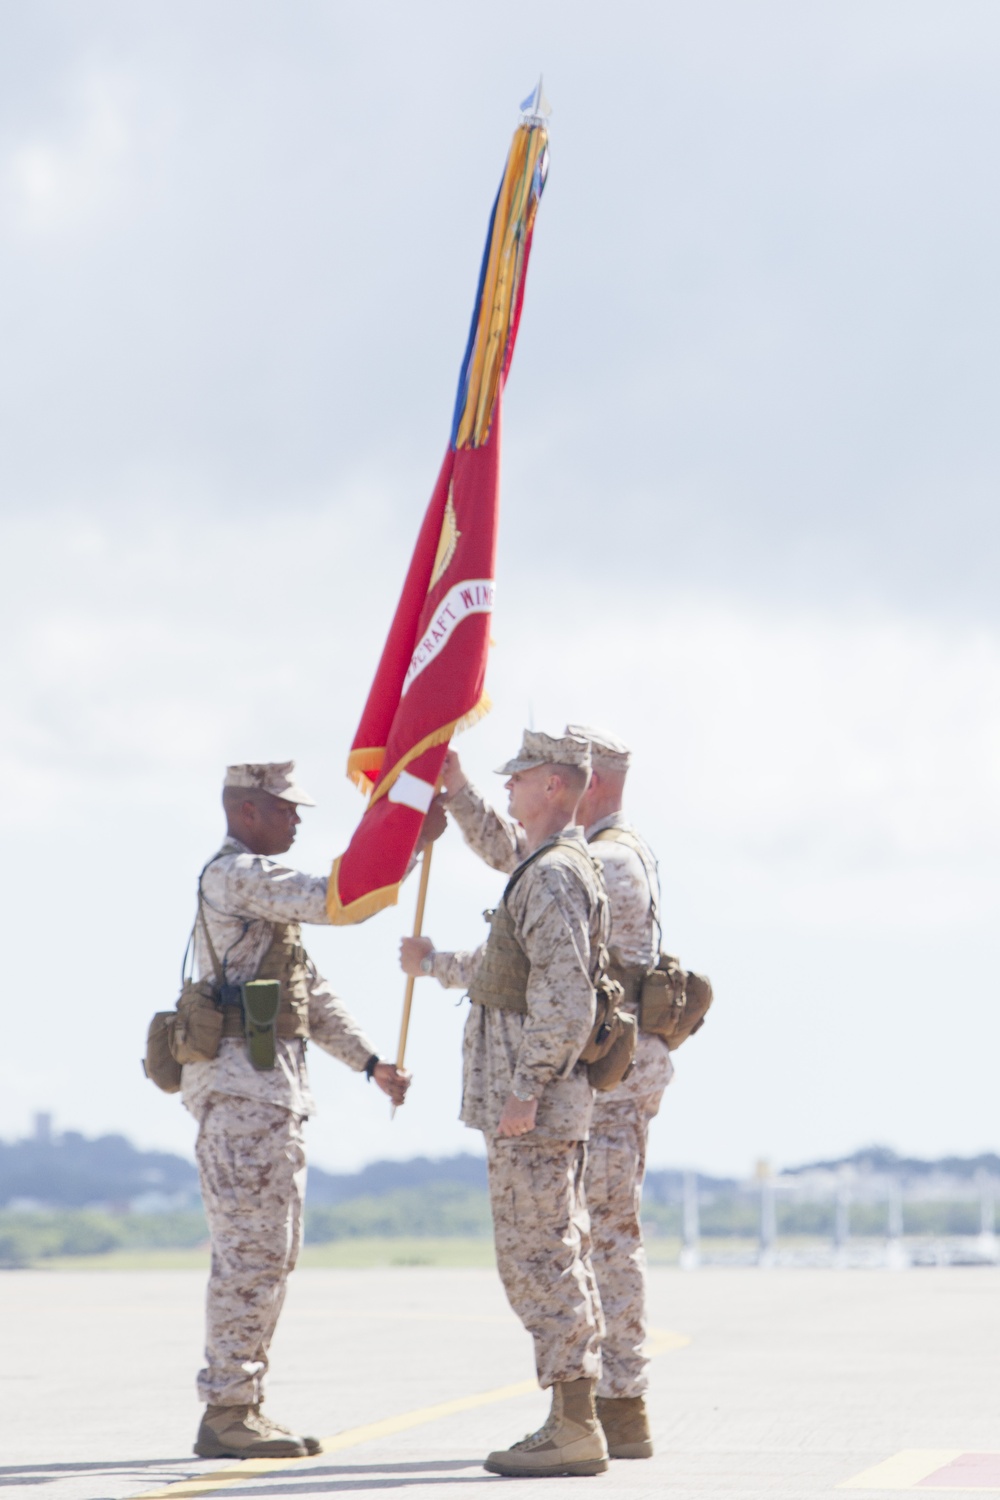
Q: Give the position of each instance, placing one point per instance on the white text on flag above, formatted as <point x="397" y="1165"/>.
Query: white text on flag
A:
<point x="474" y="597"/>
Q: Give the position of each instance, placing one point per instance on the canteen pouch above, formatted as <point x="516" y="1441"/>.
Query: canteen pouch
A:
<point x="198" y="1027"/>
<point x="662" y="999"/>
<point x="159" y="1065"/>
<point x="699" y="997"/>
<point x="261" y="1001"/>
<point x="614" y="1066"/>
<point x="673" y="1002"/>
<point x="609" y="1053"/>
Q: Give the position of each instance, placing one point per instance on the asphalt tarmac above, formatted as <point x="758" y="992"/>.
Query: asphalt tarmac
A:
<point x="764" y="1383"/>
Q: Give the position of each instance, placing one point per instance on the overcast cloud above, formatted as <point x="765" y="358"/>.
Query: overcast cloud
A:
<point x="750" y="467"/>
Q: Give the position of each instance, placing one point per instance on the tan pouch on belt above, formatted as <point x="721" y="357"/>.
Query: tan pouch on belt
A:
<point x="610" y="1049"/>
<point x="673" y="1003"/>
<point x="198" y="1029"/>
<point x="159" y="1065"/>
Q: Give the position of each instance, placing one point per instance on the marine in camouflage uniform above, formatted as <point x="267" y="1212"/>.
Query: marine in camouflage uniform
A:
<point x="616" y="1153"/>
<point x="616" y="1159"/>
<point x="250" y="1148"/>
<point x="524" y="1087"/>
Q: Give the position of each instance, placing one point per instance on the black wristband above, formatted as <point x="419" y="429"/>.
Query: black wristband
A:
<point x="370" y="1067"/>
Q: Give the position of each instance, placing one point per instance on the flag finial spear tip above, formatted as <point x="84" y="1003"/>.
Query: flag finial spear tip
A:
<point x="536" y="108"/>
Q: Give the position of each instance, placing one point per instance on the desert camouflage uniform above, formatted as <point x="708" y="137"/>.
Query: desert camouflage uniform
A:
<point x="541" y="1226"/>
<point x="616" y="1157"/>
<point x="250" y="1149"/>
<point x="616" y="1154"/>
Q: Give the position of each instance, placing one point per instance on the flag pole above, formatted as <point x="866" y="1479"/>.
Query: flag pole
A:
<point x="418" y="924"/>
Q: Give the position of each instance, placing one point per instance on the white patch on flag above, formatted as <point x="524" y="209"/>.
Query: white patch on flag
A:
<point x="412" y="791"/>
<point x="474" y="597"/>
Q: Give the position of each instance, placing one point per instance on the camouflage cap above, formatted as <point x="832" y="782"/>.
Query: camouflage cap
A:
<point x="539" y="749"/>
<point x="606" y="751"/>
<point x="274" y="776"/>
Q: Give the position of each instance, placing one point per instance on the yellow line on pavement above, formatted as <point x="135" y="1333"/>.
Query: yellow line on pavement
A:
<point x="660" y="1341"/>
<point x="903" y="1471"/>
<point x="250" y="1467"/>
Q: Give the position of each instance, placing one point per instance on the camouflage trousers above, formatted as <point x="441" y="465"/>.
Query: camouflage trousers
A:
<point x="616" y="1165"/>
<point x="542" y="1234"/>
<point x="252" y="1163"/>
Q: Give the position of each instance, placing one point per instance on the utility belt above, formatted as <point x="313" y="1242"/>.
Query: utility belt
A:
<point x="630" y="978"/>
<point x="273" y="1005"/>
<point x="231" y="1004"/>
<point x="232" y="1001"/>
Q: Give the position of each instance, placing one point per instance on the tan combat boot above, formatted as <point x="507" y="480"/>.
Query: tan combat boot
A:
<point x="241" y="1432"/>
<point x="571" y="1442"/>
<point x="626" y="1426"/>
<point x="312" y="1445"/>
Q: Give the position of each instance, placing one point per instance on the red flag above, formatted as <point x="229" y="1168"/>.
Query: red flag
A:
<point x="430" y="679"/>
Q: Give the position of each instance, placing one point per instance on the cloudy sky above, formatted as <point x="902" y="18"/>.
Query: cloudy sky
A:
<point x="750" y="522"/>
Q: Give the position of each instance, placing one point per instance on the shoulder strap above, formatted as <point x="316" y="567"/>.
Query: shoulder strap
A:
<point x="632" y="841"/>
<point x="584" y="859"/>
<point x="570" y="845"/>
<point x="616" y="836"/>
<point x="217" y="968"/>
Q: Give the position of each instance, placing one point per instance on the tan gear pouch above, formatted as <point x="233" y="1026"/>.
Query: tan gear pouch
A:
<point x="198" y="1028"/>
<point x="614" y="1065"/>
<point x="159" y="1065"/>
<point x="610" y="1049"/>
<point x="699" y="997"/>
<point x="672" y="1002"/>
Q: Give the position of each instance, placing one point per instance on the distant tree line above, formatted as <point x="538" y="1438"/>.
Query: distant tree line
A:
<point x="87" y="1189"/>
<point x="438" y="1211"/>
<point x="26" y="1238"/>
<point x="738" y="1216"/>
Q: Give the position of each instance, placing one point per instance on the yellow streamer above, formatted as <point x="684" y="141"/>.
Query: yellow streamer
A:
<point x="515" y="214"/>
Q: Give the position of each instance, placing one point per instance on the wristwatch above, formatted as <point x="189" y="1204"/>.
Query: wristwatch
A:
<point x="427" y="963"/>
<point x="524" y="1098"/>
